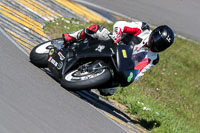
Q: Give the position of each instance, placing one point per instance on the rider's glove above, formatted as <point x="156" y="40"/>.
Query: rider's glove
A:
<point x="116" y="37"/>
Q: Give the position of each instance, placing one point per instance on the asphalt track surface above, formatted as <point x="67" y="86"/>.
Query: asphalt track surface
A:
<point x="33" y="102"/>
<point x="181" y="15"/>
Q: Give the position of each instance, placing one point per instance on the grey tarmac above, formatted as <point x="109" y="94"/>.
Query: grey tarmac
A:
<point x="181" y="15"/>
<point x="33" y="102"/>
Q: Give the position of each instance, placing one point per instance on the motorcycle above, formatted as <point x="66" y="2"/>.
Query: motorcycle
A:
<point x="86" y="64"/>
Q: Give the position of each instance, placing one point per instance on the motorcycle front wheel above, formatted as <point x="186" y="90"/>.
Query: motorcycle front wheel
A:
<point x="82" y="80"/>
<point x="39" y="55"/>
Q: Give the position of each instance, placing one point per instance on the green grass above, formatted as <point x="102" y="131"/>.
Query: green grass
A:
<point x="56" y="28"/>
<point x="166" y="98"/>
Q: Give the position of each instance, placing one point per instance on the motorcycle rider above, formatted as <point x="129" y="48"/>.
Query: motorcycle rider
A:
<point x="137" y="34"/>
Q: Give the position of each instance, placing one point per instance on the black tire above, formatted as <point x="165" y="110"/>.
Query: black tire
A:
<point x="74" y="85"/>
<point x="40" y="59"/>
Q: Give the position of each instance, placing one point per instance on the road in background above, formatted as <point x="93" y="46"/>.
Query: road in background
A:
<point x="181" y="15"/>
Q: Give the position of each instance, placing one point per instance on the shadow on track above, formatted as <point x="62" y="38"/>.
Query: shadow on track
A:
<point x="103" y="104"/>
<point x="106" y="106"/>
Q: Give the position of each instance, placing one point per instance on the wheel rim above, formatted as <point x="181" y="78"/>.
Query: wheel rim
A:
<point x="77" y="75"/>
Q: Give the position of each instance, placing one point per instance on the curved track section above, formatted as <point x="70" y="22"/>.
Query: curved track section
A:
<point x="32" y="102"/>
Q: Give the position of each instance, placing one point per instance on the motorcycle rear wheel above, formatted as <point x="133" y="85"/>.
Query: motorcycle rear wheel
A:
<point x="39" y="55"/>
<point x="77" y="80"/>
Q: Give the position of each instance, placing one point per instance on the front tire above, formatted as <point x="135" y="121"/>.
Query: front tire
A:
<point x="77" y="80"/>
<point x="39" y="55"/>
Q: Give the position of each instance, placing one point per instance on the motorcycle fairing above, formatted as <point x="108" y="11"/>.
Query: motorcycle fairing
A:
<point x="125" y="64"/>
<point x="120" y="55"/>
<point x="57" y="62"/>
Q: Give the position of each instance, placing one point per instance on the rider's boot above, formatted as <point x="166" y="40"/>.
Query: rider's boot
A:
<point x="94" y="31"/>
<point x="108" y="91"/>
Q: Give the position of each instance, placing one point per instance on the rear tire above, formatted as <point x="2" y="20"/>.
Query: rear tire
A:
<point x="76" y="80"/>
<point x="40" y="54"/>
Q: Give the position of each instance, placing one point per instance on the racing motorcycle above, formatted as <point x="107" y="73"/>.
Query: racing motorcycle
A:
<point x="86" y="64"/>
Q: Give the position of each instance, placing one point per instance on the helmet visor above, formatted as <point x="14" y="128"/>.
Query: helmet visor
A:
<point x="156" y="42"/>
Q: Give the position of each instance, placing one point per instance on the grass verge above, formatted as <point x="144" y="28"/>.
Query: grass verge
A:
<point x="167" y="98"/>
